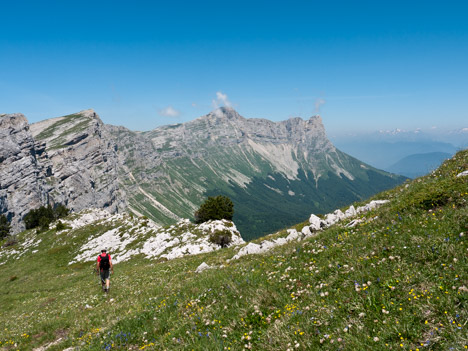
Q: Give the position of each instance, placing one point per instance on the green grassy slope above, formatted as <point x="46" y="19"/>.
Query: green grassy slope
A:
<point x="58" y="133"/>
<point x="396" y="281"/>
<point x="267" y="202"/>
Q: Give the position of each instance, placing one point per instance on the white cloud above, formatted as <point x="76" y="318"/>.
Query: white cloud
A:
<point x="221" y="100"/>
<point x="169" y="111"/>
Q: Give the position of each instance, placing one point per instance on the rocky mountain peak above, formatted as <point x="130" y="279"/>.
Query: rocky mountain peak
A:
<point x="90" y="113"/>
<point x="224" y="113"/>
<point x="12" y="121"/>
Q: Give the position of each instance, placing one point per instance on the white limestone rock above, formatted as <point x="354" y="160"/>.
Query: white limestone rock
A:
<point x="203" y="267"/>
<point x="293" y="235"/>
<point x="315" y="222"/>
<point x="462" y="174"/>
<point x="306" y="231"/>
<point x="332" y="218"/>
<point x="181" y="239"/>
<point x="249" y="249"/>
<point x="371" y="205"/>
<point x="350" y="212"/>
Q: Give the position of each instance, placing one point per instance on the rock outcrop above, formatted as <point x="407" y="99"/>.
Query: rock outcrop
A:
<point x="22" y="174"/>
<point x="308" y="231"/>
<point x="69" y="160"/>
<point x="84" y="162"/>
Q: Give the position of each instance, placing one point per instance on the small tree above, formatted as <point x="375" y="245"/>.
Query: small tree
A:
<point x="215" y="208"/>
<point x="43" y="216"/>
<point x="61" y="211"/>
<point x="4" y="226"/>
<point x="44" y="224"/>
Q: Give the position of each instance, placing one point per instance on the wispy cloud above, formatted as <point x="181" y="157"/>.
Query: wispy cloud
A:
<point x="169" y="111"/>
<point x="221" y="100"/>
<point x="318" y="102"/>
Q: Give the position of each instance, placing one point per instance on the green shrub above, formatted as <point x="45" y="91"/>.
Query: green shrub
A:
<point x="215" y="208"/>
<point x="60" y="211"/>
<point x="222" y="238"/>
<point x="44" y="224"/>
<point x="4" y="227"/>
<point x="60" y="226"/>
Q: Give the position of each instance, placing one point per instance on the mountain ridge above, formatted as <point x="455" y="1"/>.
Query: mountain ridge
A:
<point x="167" y="172"/>
<point x="253" y="161"/>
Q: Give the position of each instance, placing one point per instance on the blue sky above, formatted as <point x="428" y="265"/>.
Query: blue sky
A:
<point x="363" y="65"/>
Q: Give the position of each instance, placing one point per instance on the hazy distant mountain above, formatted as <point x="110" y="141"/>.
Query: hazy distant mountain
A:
<point x="384" y="154"/>
<point x="384" y="148"/>
<point x="417" y="165"/>
<point x="275" y="173"/>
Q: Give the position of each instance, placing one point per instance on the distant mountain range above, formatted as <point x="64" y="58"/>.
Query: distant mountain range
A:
<point x="275" y="173"/>
<point x="390" y="150"/>
<point x="384" y="154"/>
<point x="417" y="165"/>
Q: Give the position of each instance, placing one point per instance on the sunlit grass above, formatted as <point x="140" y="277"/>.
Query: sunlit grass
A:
<point x="396" y="281"/>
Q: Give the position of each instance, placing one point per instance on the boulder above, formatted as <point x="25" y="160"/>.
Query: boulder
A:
<point x="306" y="231"/>
<point x="350" y="212"/>
<point x="293" y="235"/>
<point x="315" y="222"/>
<point x="202" y="267"/>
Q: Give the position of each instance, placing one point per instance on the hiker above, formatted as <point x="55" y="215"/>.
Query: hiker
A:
<point x="104" y="263"/>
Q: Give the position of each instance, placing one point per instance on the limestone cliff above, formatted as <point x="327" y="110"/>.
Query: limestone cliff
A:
<point x="22" y="174"/>
<point x="69" y="160"/>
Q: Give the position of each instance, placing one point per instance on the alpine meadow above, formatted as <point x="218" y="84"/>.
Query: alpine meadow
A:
<point x="393" y="277"/>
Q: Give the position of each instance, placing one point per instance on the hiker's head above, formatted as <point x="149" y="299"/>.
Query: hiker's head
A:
<point x="103" y="250"/>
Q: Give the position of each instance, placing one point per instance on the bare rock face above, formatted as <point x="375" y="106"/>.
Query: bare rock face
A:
<point x="84" y="161"/>
<point x="22" y="174"/>
<point x="69" y="160"/>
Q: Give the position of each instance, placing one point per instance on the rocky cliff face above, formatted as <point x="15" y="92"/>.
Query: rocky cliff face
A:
<point x="22" y="175"/>
<point x="70" y="160"/>
<point x="84" y="161"/>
